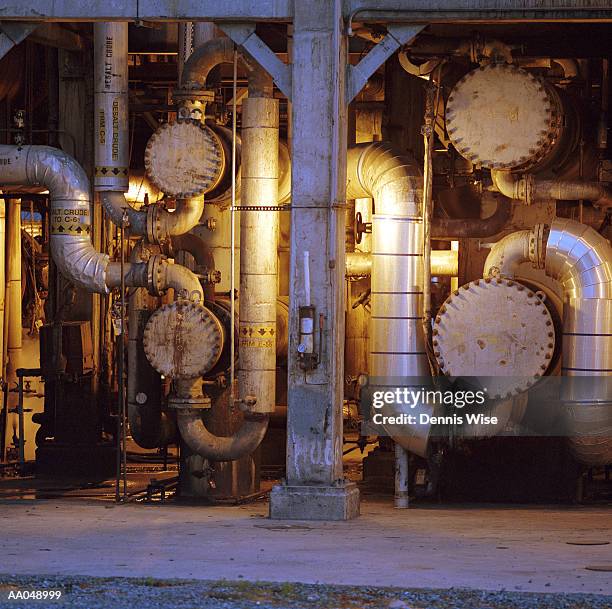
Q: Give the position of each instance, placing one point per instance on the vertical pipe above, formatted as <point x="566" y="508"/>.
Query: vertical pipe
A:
<point x="401" y="477"/>
<point x="2" y="283"/>
<point x="13" y="302"/>
<point x="258" y="245"/>
<point x="111" y="106"/>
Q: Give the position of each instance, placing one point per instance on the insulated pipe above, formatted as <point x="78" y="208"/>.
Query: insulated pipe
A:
<point x="397" y="346"/>
<point x="258" y="248"/>
<point x="443" y="263"/>
<point x="70" y="210"/>
<point x="529" y="189"/>
<point x="580" y="259"/>
<point x="112" y="143"/>
<point x="2" y="283"/>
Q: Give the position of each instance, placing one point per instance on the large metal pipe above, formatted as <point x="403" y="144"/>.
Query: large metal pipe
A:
<point x="580" y="259"/>
<point x="112" y="150"/>
<point x="397" y="346"/>
<point x="529" y="189"/>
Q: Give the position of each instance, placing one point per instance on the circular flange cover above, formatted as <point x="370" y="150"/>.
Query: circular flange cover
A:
<point x="496" y="330"/>
<point x="184" y="159"/>
<point x="502" y="117"/>
<point x="183" y="339"/>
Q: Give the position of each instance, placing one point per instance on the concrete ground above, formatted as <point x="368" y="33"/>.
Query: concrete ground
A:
<point x="538" y="549"/>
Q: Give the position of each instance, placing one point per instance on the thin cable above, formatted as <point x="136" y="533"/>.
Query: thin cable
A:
<point x="233" y="234"/>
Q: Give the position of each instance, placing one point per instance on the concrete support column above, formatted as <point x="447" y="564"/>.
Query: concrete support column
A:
<point x="314" y="488"/>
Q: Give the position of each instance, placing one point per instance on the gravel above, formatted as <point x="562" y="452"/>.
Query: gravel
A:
<point x="149" y="593"/>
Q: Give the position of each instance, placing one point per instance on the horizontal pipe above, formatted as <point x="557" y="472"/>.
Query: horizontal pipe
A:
<point x="529" y="189"/>
<point x="443" y="263"/>
<point x="471" y="228"/>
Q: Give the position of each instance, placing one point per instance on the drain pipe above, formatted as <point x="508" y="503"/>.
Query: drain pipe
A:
<point x="529" y="189"/>
<point x="580" y="259"/>
<point x="397" y="346"/>
<point x="258" y="283"/>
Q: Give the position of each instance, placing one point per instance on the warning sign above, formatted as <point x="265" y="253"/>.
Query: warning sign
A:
<point x="257" y="336"/>
<point x="74" y="222"/>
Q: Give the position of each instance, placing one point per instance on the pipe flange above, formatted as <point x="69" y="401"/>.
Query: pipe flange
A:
<point x="155" y="231"/>
<point x="497" y="331"/>
<point x="185" y="159"/>
<point x="202" y="402"/>
<point x="537" y="245"/>
<point x="183" y="339"/>
<point x="190" y="93"/>
<point x="156" y="274"/>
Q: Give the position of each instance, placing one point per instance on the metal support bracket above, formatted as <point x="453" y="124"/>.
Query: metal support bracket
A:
<point x="243" y="34"/>
<point x="397" y="36"/>
<point x="11" y="34"/>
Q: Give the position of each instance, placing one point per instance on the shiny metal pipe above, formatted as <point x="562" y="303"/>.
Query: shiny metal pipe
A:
<point x="397" y="345"/>
<point x="581" y="260"/>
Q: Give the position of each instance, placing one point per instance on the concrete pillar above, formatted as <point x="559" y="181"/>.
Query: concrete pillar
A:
<point x="315" y="488"/>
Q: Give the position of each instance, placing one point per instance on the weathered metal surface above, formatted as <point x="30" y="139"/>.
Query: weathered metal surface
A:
<point x="183" y="339"/>
<point x="502" y="117"/>
<point x="149" y="10"/>
<point x="258" y="253"/>
<point x="112" y="149"/>
<point x="474" y="10"/>
<point x="497" y="330"/>
<point x="358" y="75"/>
<point x="184" y="159"/>
<point x="11" y="34"/>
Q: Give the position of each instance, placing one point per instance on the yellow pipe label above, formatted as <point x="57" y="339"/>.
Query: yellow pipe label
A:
<point x="258" y="336"/>
<point x="70" y="221"/>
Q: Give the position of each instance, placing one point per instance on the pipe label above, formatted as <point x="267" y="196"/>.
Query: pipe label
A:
<point x="257" y="336"/>
<point x="71" y="221"/>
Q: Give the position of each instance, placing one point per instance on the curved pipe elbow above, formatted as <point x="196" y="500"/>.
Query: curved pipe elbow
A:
<point x="507" y="254"/>
<point x="183" y="282"/>
<point x="204" y="59"/>
<point x="221" y="448"/>
<point x="116" y="205"/>
<point x="183" y="219"/>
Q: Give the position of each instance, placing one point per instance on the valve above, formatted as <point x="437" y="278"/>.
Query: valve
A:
<point x="361" y="227"/>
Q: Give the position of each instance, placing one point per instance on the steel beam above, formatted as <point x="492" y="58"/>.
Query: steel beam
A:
<point x="147" y="10"/>
<point x="11" y="34"/>
<point x="243" y="34"/>
<point x="358" y="75"/>
<point x="315" y="488"/>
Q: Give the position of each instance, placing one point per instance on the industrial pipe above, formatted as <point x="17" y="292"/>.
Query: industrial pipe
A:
<point x="443" y="263"/>
<point x="580" y="259"/>
<point x="150" y="426"/>
<point x="112" y="144"/>
<point x="471" y="228"/>
<point x="529" y="189"/>
<point x="397" y="347"/>
<point x="70" y="220"/>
